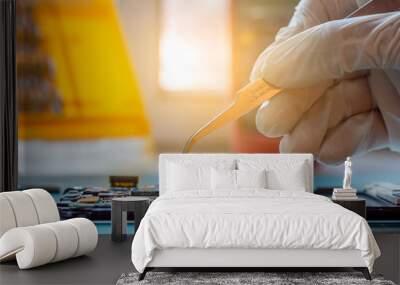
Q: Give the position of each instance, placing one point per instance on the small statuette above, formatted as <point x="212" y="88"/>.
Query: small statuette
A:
<point x="347" y="192"/>
<point x="347" y="174"/>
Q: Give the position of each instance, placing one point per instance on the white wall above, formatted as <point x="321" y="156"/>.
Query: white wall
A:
<point x="86" y="157"/>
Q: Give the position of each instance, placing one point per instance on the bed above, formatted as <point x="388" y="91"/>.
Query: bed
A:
<point x="246" y="211"/>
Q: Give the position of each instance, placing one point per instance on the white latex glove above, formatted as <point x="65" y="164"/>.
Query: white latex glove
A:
<point x="333" y="121"/>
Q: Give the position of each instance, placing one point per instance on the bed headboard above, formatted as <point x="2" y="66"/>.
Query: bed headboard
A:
<point x="209" y="157"/>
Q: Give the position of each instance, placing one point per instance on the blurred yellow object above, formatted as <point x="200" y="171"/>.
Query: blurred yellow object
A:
<point x="247" y="99"/>
<point x="92" y="73"/>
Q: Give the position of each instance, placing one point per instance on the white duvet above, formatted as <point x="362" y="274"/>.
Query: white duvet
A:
<point x="250" y="219"/>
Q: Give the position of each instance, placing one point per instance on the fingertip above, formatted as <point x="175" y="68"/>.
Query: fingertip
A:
<point x="267" y="121"/>
<point x="278" y="116"/>
<point x="298" y="143"/>
<point x="346" y="139"/>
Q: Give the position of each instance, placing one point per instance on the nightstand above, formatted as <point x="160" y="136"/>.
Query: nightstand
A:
<point x="358" y="206"/>
<point x="119" y="208"/>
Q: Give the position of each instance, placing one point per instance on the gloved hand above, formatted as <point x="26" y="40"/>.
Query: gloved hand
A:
<point x="332" y="107"/>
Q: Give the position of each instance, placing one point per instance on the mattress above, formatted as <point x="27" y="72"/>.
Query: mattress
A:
<point x="250" y="219"/>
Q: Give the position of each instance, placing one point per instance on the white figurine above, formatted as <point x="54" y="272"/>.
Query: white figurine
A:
<point x="347" y="174"/>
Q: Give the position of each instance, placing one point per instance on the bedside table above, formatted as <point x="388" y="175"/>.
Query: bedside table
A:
<point x="119" y="208"/>
<point x="358" y="206"/>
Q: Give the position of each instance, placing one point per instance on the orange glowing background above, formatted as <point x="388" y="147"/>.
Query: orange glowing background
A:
<point x="195" y="52"/>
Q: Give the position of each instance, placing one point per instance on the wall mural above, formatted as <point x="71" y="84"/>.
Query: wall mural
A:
<point x="105" y="86"/>
<point x="74" y="73"/>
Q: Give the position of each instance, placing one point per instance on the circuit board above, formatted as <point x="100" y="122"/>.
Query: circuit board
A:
<point x="95" y="202"/>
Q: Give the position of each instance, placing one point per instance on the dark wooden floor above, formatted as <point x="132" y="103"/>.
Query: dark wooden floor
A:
<point x="105" y="265"/>
<point x="102" y="266"/>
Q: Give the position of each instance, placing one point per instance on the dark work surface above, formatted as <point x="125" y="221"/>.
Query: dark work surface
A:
<point x="103" y="266"/>
<point x="382" y="216"/>
<point x="377" y="209"/>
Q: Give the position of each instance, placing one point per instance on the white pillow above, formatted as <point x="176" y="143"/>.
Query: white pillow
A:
<point x="281" y="174"/>
<point x="188" y="177"/>
<point x="251" y="178"/>
<point x="223" y="179"/>
<point x="193" y="174"/>
<point x="235" y="179"/>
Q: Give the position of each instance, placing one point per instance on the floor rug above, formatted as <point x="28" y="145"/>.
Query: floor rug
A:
<point x="243" y="278"/>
